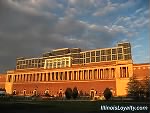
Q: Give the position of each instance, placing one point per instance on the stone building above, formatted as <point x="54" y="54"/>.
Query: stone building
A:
<point x="90" y="71"/>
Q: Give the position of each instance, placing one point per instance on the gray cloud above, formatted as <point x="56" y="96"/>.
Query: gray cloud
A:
<point x="30" y="27"/>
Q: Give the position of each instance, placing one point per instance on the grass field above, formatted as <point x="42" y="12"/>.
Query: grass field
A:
<point x="63" y="106"/>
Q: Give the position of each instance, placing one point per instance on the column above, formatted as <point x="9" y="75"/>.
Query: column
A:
<point x="25" y="77"/>
<point x="76" y="72"/>
<point x="59" y="76"/>
<point x="108" y="73"/>
<point x="31" y="75"/>
<point x="79" y="75"/>
<point x="127" y="74"/>
<point x="72" y="75"/>
<point x="54" y="75"/>
<point x="16" y="78"/>
<point x="62" y="75"/>
<point x="120" y="72"/>
<point x="99" y="73"/>
<point x="97" y="77"/>
<point x="111" y="73"/>
<point x="67" y="75"/>
<point x="46" y="76"/>
<point x="45" y="65"/>
<point x="42" y="76"/>
<point x="89" y="77"/>
<point x="86" y="74"/>
<point x="93" y="74"/>
<point x="50" y="76"/>
<point x="81" y="71"/>
<point x="103" y="73"/>
<point x="82" y="76"/>
<point x="35" y="77"/>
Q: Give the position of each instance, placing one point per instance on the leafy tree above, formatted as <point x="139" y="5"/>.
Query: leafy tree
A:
<point x="107" y="93"/>
<point x="146" y="86"/>
<point x="68" y="93"/>
<point x="75" y="93"/>
<point x="81" y="93"/>
<point x="134" y="87"/>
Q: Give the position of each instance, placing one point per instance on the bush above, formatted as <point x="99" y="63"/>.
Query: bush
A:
<point x="75" y="93"/>
<point x="107" y="94"/>
<point x="68" y="93"/>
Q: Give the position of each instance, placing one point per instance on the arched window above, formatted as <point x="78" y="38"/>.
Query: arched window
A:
<point x="47" y="92"/>
<point x="35" y="92"/>
<point x="14" y="92"/>
<point x="24" y="92"/>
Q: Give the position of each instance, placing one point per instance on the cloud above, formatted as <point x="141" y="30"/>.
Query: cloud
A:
<point x="136" y="46"/>
<point x="30" y="27"/>
<point x="138" y="10"/>
<point x="112" y="7"/>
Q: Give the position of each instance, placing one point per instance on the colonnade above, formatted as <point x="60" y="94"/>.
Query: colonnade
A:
<point x="73" y="75"/>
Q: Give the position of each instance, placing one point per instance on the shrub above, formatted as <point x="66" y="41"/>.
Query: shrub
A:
<point x="75" y="93"/>
<point x="68" y="93"/>
<point x="107" y="94"/>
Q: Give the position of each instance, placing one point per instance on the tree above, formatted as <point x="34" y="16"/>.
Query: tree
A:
<point x="134" y="87"/>
<point x="81" y="93"/>
<point x="75" y="93"/>
<point x="107" y="93"/>
<point x="146" y="86"/>
<point x="68" y="93"/>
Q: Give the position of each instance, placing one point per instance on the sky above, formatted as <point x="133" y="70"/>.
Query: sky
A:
<point x="29" y="28"/>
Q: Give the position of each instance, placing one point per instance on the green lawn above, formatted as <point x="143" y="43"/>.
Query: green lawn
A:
<point x="60" y="106"/>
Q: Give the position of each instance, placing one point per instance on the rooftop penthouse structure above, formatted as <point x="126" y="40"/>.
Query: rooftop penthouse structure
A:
<point x="67" y="57"/>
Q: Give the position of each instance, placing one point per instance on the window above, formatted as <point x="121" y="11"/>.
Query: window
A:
<point x="87" y="60"/>
<point x="97" y="53"/>
<point x="127" y="57"/>
<point x="119" y="50"/>
<point x="97" y="59"/>
<point x="93" y="59"/>
<point x="103" y="58"/>
<point x="87" y="54"/>
<point x="93" y="53"/>
<point x="108" y="57"/>
<point x="114" y="57"/>
<point x="126" y="51"/>
<point x="102" y="52"/>
<point x="108" y="51"/>
<point x="120" y="56"/>
<point x="114" y="51"/>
